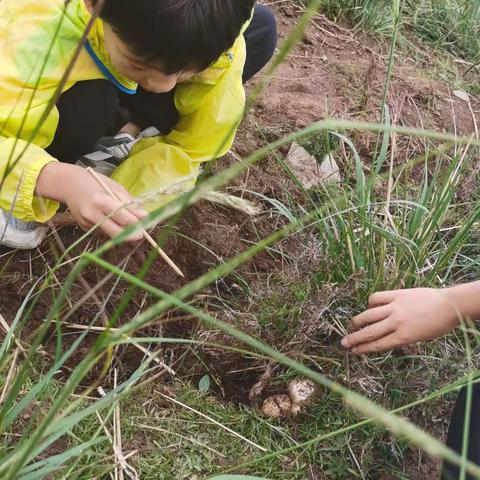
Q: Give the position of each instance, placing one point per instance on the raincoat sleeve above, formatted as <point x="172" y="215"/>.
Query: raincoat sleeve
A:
<point x="23" y="102"/>
<point x="20" y="165"/>
<point x="22" y="154"/>
<point x="211" y="107"/>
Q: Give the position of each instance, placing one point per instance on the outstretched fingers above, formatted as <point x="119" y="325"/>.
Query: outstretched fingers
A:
<point x="125" y="198"/>
<point x="383" y="344"/>
<point x="368" y="334"/>
<point x="381" y="298"/>
<point x="370" y="316"/>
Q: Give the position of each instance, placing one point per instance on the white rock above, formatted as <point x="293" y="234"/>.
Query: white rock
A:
<point x="307" y="170"/>
<point x="329" y="170"/>
<point x="462" y="95"/>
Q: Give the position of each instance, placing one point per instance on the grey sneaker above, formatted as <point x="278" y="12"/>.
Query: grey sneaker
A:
<point x="112" y="151"/>
<point x="19" y="234"/>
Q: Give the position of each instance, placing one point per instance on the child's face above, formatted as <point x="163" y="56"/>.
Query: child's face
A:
<point x="148" y="77"/>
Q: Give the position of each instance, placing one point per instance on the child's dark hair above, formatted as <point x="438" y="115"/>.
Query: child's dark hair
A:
<point x="179" y="35"/>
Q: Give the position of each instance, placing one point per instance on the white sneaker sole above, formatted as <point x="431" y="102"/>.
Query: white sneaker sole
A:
<point x="9" y="237"/>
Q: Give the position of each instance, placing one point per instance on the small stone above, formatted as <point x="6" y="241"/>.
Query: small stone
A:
<point x="329" y="170"/>
<point x="308" y="171"/>
<point x="462" y="95"/>
<point x="307" y="39"/>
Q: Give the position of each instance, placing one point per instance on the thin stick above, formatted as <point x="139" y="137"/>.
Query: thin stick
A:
<point x="119" y="458"/>
<point x="7" y="329"/>
<point x="117" y="432"/>
<point x="109" y="436"/>
<point x="145" y="234"/>
<point x="10" y="375"/>
<point x="150" y="355"/>
<point x="190" y="439"/>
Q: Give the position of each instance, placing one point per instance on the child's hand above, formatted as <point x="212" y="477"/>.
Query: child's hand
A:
<point x="91" y="205"/>
<point x="87" y="200"/>
<point x="402" y="317"/>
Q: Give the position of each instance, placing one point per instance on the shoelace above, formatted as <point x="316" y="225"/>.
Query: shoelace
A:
<point x="149" y="132"/>
<point x="111" y="151"/>
<point x="121" y="145"/>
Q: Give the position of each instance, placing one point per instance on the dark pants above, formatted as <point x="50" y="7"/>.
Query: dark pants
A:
<point x="96" y="108"/>
<point x="456" y="431"/>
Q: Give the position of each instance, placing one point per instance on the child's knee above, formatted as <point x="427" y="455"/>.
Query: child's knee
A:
<point x="269" y="28"/>
<point x="261" y="37"/>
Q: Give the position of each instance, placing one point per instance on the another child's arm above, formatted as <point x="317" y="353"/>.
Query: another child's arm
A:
<point x="402" y="317"/>
<point x="89" y="203"/>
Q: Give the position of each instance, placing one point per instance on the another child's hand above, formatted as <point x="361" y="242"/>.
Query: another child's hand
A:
<point x="402" y="317"/>
<point x="87" y="200"/>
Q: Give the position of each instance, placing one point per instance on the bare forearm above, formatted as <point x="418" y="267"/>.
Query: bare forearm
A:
<point x="54" y="181"/>
<point x="466" y="299"/>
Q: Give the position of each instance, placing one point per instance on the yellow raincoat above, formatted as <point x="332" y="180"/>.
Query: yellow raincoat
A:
<point x="37" y="42"/>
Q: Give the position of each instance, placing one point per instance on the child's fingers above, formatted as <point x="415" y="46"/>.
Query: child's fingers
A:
<point x="124" y="218"/>
<point x="140" y="213"/>
<point x="126" y="198"/>
<point x="380" y="298"/>
<point x="112" y="208"/>
<point x="120" y="191"/>
<point x="113" y="220"/>
<point x="112" y="229"/>
<point x="370" y="316"/>
<point x="381" y="345"/>
<point x="368" y="334"/>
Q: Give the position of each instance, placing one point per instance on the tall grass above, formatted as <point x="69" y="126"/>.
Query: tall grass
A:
<point x="451" y="25"/>
<point x="394" y="238"/>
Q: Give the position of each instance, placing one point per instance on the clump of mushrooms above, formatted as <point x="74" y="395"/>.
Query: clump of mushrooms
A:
<point x="301" y="392"/>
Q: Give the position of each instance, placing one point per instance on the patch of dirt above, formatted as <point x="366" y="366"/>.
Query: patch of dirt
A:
<point x="422" y="467"/>
<point x="335" y="73"/>
<point x="205" y="236"/>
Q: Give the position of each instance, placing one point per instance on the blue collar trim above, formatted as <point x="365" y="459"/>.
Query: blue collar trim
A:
<point x="107" y="72"/>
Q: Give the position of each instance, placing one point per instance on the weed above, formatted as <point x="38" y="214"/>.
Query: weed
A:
<point x="388" y="227"/>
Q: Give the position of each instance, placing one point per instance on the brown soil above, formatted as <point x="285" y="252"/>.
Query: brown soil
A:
<point x="337" y="74"/>
<point x="333" y="73"/>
